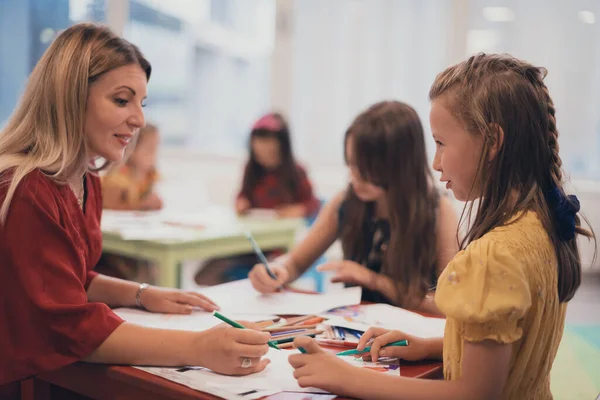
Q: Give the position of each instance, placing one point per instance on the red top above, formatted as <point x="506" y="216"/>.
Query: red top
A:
<point x="270" y="193"/>
<point x="48" y="248"/>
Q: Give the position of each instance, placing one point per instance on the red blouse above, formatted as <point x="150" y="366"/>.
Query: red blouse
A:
<point x="48" y="248"/>
<point x="270" y="193"/>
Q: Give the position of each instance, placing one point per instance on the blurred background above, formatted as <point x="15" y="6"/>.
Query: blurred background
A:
<point x="218" y="65"/>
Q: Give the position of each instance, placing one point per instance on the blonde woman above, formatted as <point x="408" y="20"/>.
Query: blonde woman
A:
<point x="84" y="101"/>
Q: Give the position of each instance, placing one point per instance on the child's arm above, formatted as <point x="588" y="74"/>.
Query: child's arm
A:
<point x="484" y="372"/>
<point x="320" y="237"/>
<point x="293" y="264"/>
<point x="418" y="348"/>
<point x="352" y="272"/>
<point x="485" y="368"/>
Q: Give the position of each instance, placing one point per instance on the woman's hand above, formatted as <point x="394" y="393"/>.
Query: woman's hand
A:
<point x="232" y="351"/>
<point x="174" y="301"/>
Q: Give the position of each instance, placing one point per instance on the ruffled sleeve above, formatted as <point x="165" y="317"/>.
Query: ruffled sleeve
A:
<point x="485" y="289"/>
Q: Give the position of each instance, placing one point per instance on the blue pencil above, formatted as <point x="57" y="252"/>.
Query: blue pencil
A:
<point x="354" y="333"/>
<point x="287" y="332"/>
<point x="339" y="333"/>
<point x="260" y="255"/>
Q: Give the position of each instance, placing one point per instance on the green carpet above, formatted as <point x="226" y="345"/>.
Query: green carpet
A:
<point x="576" y="370"/>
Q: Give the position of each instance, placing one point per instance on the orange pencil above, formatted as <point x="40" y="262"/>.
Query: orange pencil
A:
<point x="311" y="321"/>
<point x="337" y="343"/>
<point x="296" y="320"/>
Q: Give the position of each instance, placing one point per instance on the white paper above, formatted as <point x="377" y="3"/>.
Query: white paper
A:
<point x="168" y="225"/>
<point x="241" y="297"/>
<point x="190" y="380"/>
<point x="196" y="321"/>
<point x="389" y="317"/>
<point x="278" y="376"/>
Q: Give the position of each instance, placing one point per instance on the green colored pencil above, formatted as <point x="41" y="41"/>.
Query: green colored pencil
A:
<point x="368" y="348"/>
<point x="239" y="326"/>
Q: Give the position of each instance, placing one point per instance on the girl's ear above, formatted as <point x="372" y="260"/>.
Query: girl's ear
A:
<point x="496" y="140"/>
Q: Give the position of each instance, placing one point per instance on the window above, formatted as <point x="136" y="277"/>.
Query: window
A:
<point x="26" y="30"/>
<point x="348" y="55"/>
<point x="564" y="37"/>
<point x="211" y="66"/>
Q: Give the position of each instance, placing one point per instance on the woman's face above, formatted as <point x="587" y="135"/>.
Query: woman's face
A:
<point x="114" y="111"/>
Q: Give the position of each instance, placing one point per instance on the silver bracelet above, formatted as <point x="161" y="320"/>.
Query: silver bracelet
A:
<point x="138" y="295"/>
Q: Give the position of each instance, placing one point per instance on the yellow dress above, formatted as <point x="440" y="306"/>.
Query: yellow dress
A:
<point x="133" y="191"/>
<point x="503" y="287"/>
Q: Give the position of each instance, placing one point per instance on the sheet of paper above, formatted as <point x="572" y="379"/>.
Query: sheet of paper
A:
<point x="386" y="316"/>
<point x="196" y="321"/>
<point x="168" y="225"/>
<point x="241" y="297"/>
<point x="191" y="380"/>
<point x="277" y="377"/>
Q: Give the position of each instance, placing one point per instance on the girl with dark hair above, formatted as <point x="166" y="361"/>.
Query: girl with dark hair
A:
<point x="397" y="233"/>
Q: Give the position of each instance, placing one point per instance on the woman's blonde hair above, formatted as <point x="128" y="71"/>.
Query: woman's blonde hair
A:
<point x="47" y="129"/>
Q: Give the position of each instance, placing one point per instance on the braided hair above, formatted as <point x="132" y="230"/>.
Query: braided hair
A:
<point x="492" y="92"/>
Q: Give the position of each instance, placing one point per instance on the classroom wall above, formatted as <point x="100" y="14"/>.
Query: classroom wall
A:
<point x="192" y="180"/>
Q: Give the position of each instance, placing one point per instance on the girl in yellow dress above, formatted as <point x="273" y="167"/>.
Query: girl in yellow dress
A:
<point x="505" y="294"/>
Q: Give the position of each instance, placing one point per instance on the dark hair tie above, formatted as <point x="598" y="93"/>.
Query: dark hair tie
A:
<point x="564" y="208"/>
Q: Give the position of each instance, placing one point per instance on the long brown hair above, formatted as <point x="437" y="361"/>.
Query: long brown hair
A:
<point x="493" y="91"/>
<point x="274" y="126"/>
<point x="46" y="130"/>
<point x="389" y="148"/>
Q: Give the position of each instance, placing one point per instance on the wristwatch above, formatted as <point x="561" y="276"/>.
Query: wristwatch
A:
<point x="138" y="295"/>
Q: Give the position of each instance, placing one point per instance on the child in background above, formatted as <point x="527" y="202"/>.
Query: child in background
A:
<point x="130" y="186"/>
<point x="272" y="180"/>
<point x="397" y="233"/>
<point x="505" y="295"/>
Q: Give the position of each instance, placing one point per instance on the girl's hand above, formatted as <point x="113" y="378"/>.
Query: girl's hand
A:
<point x="231" y="351"/>
<point x="174" y="301"/>
<point x="242" y="205"/>
<point x="349" y="272"/>
<point x="321" y="369"/>
<point x="262" y="282"/>
<point x="152" y="202"/>
<point x="417" y="349"/>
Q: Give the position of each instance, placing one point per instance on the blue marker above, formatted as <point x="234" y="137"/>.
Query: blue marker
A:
<point x="260" y="255"/>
